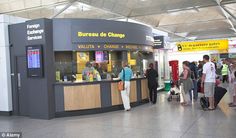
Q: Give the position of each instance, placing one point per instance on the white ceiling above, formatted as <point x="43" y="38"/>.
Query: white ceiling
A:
<point x="182" y="19"/>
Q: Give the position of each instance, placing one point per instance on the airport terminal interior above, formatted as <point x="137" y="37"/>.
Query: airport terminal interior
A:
<point x="117" y="68"/>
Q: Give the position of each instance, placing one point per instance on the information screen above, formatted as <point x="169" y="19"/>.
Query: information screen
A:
<point x="34" y="55"/>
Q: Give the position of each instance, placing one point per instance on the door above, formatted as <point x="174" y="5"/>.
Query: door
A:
<point x="22" y="91"/>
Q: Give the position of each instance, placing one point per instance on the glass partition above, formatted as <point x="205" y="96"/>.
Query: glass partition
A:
<point x="78" y="65"/>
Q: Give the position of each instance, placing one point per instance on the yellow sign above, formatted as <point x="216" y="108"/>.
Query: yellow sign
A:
<point x="109" y="66"/>
<point x="79" y="77"/>
<point x="132" y="62"/>
<point x="203" y="45"/>
<point x="129" y="56"/>
<point x="58" y="75"/>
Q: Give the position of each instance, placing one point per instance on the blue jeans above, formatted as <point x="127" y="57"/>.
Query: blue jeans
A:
<point x="195" y="92"/>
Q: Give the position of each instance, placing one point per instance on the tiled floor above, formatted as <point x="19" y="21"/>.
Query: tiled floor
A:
<point x="163" y="120"/>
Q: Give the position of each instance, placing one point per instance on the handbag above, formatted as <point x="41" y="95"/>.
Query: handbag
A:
<point x="121" y="84"/>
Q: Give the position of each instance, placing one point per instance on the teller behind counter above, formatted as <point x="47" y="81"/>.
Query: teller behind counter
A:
<point x="95" y="72"/>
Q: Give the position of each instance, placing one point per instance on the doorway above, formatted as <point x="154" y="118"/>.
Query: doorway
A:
<point x="21" y="90"/>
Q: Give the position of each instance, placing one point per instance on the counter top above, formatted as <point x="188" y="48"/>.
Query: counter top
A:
<point x="93" y="82"/>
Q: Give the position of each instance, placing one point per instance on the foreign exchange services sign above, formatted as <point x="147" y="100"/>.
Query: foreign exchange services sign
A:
<point x="203" y="45"/>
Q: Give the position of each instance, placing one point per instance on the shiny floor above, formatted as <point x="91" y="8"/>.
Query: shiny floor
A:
<point x="163" y="120"/>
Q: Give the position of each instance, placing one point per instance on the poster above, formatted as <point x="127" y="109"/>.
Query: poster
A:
<point x="82" y="59"/>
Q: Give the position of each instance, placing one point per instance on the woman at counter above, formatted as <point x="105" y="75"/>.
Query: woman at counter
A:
<point x="126" y="75"/>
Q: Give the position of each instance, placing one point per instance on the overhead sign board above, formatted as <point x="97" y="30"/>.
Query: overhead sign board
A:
<point x="103" y="31"/>
<point x="69" y="33"/>
<point x="158" y="42"/>
<point x="202" y="45"/>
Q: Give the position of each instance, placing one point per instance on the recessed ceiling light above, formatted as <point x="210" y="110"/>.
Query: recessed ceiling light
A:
<point x="143" y="0"/>
<point x="192" y="38"/>
<point x="83" y="7"/>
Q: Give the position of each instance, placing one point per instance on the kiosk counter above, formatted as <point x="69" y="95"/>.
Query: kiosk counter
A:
<point x="80" y="98"/>
<point x="48" y="57"/>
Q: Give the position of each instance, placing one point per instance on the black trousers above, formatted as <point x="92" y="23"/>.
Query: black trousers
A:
<point x="225" y="78"/>
<point x="153" y="92"/>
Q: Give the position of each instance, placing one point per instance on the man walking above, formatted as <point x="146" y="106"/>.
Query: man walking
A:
<point x="152" y="75"/>
<point x="209" y="79"/>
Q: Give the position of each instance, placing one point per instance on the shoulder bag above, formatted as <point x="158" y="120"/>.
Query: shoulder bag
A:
<point x="121" y="84"/>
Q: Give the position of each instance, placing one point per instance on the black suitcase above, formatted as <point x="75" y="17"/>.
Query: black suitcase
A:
<point x="219" y="94"/>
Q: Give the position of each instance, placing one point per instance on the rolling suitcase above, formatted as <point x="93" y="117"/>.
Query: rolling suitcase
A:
<point x="219" y="94"/>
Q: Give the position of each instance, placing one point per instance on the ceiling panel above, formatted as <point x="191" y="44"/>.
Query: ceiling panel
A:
<point x="16" y="5"/>
<point x="30" y="3"/>
<point x="197" y="26"/>
<point x="202" y="19"/>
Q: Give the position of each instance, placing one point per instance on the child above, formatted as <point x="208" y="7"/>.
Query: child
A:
<point x="173" y="91"/>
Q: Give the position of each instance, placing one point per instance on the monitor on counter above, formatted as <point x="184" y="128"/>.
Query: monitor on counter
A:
<point x="101" y="56"/>
<point x="34" y="54"/>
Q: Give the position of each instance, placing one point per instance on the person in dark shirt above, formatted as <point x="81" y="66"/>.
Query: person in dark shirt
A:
<point x="194" y="77"/>
<point x="152" y="75"/>
<point x="200" y="69"/>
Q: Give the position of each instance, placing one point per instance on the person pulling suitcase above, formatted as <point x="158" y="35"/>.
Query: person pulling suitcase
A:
<point x="209" y="79"/>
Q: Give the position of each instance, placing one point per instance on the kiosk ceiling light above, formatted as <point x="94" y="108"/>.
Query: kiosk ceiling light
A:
<point x="83" y="7"/>
<point x="73" y="8"/>
<point x="192" y="38"/>
<point x="184" y="34"/>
